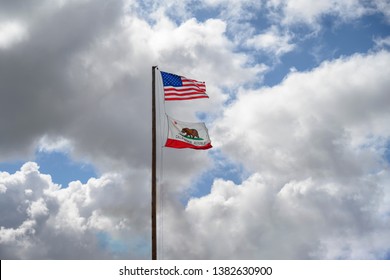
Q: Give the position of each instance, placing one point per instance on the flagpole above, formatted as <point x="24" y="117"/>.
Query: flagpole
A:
<point x="154" y="160"/>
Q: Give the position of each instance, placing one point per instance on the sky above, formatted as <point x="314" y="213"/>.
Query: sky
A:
<point x="298" y="117"/>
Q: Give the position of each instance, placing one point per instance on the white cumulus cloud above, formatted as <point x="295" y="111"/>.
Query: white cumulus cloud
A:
<point x="75" y="222"/>
<point x="320" y="185"/>
<point x="272" y="41"/>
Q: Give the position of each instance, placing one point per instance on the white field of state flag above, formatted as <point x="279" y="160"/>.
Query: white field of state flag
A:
<point x="183" y="135"/>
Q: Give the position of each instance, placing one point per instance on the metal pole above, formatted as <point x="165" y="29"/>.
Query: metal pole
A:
<point x="154" y="156"/>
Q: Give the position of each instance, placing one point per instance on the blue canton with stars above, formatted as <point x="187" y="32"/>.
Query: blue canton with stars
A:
<point x="171" y="80"/>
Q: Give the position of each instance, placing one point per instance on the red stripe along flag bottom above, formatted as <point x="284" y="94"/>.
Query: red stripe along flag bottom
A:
<point x="183" y="135"/>
<point x="181" y="88"/>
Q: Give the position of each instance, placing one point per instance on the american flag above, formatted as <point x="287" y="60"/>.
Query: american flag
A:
<point x="180" y="88"/>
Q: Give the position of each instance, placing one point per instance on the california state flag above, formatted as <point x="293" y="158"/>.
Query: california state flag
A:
<point x="187" y="135"/>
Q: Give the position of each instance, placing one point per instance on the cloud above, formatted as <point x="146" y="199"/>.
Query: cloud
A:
<point x="382" y="42"/>
<point x="45" y="221"/>
<point x="59" y="144"/>
<point x="292" y="12"/>
<point x="271" y="41"/>
<point x="261" y="219"/>
<point x="383" y="6"/>
<point x="319" y="185"/>
<point x="37" y="95"/>
<point x="326" y="114"/>
<point x="11" y="33"/>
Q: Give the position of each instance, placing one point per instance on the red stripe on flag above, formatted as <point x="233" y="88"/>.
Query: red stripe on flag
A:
<point x="172" y="143"/>
<point x="186" y="94"/>
<point x="182" y="89"/>
<point x="185" y="98"/>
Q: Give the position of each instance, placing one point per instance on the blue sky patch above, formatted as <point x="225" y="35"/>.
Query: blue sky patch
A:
<point x="63" y="169"/>
<point x="223" y="169"/>
<point x="60" y="166"/>
<point x="108" y="243"/>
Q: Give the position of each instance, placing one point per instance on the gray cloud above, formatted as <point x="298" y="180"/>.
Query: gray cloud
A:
<point x="36" y="95"/>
